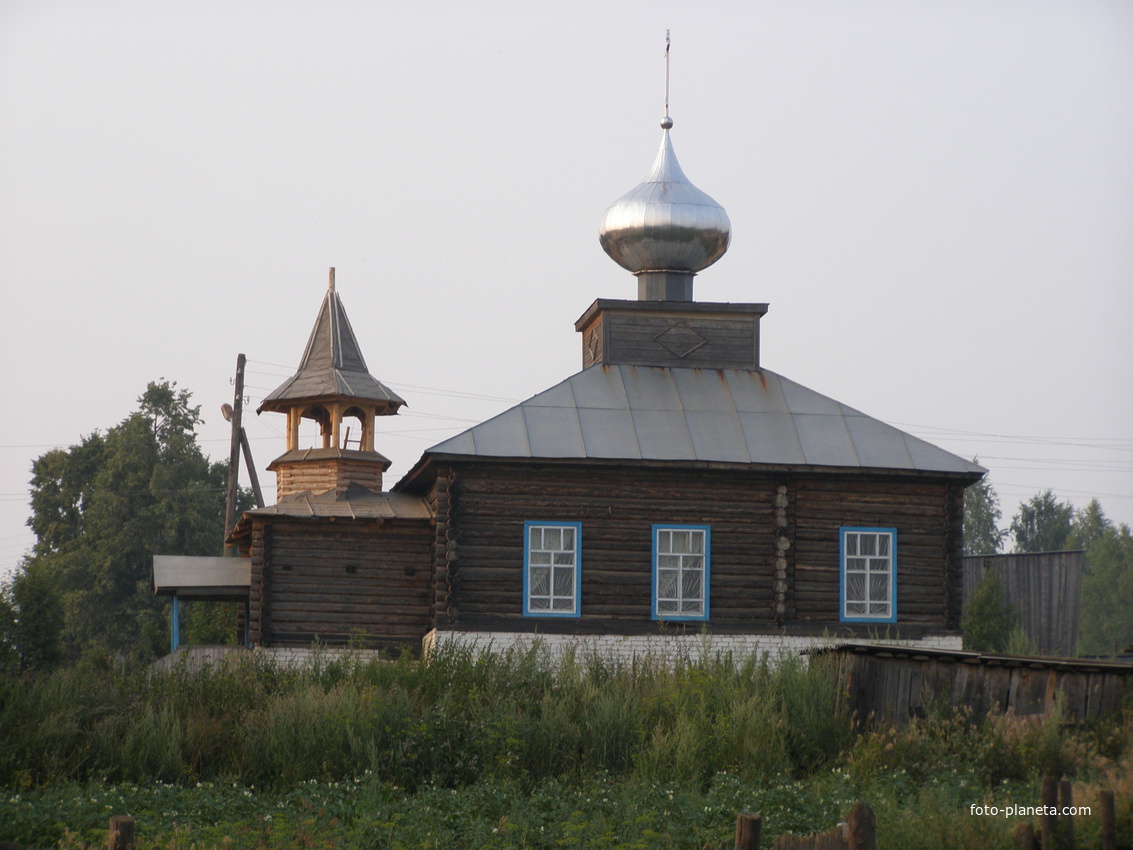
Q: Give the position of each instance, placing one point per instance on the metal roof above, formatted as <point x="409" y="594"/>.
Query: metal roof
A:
<point x="717" y="416"/>
<point x="357" y="502"/>
<point x="332" y="365"/>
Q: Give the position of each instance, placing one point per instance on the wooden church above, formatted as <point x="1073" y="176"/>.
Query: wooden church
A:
<point x="672" y="489"/>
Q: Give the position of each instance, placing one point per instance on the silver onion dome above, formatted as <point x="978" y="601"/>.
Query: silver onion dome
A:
<point x="665" y="230"/>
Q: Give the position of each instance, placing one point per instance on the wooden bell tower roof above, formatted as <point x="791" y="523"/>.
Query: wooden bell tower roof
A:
<point x="332" y="367"/>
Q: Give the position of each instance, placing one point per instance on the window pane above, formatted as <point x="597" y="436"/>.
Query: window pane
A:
<point x="855" y="587"/>
<point x="692" y="584"/>
<point x="568" y="538"/>
<point x="883" y="545"/>
<point x="562" y="604"/>
<point x="855" y="609"/>
<point x="539" y="603"/>
<point x="664" y="541"/>
<point x="540" y="559"/>
<point x="851" y="544"/>
<point x="879" y="609"/>
<point x="879" y="587"/>
<point x="564" y="581"/>
<point x="868" y="544"/>
<point x="667" y="584"/>
<point x="855" y="564"/>
<point x="564" y="559"/>
<point x="696" y="542"/>
<point x="693" y="608"/>
<point x="540" y="581"/>
<point x="552" y="538"/>
<point x="535" y="538"/>
<point x="667" y="606"/>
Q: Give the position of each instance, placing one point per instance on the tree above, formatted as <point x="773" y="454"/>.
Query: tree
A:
<point x="1042" y="524"/>
<point x="1106" y="613"/>
<point x="988" y="620"/>
<point x="982" y="535"/>
<point x="102" y="508"/>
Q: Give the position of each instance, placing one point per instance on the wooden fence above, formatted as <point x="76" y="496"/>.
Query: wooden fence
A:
<point x="859" y="832"/>
<point x="1043" y="589"/>
<point x="890" y="684"/>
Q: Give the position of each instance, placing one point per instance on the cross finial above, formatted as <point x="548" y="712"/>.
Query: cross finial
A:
<point x="666" y="121"/>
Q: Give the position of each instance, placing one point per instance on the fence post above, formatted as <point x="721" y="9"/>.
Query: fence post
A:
<point x="862" y="828"/>
<point x="1024" y="838"/>
<point x="748" y="828"/>
<point x="1048" y="821"/>
<point x="1066" y="821"/>
<point x="1109" y="821"/>
<point x="121" y="834"/>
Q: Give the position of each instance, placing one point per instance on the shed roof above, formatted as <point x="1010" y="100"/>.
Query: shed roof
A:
<point x="357" y="502"/>
<point x="332" y="365"/>
<point x="708" y="415"/>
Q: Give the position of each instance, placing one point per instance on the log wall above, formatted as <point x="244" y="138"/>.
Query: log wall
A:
<point x="774" y="544"/>
<point x="364" y="583"/>
<point x="928" y="553"/>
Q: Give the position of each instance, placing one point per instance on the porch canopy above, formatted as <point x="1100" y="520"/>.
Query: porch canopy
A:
<point x="194" y="577"/>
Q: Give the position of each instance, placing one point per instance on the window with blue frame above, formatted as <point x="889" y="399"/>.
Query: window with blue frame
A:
<point x="868" y="575"/>
<point x="552" y="570"/>
<point x="681" y="557"/>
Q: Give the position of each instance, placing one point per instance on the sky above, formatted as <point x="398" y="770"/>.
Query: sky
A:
<point x="936" y="199"/>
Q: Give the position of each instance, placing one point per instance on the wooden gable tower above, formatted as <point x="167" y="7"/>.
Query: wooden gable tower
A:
<point x="334" y="388"/>
<point x="335" y="560"/>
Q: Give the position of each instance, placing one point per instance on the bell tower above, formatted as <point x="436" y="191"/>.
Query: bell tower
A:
<point x="333" y="388"/>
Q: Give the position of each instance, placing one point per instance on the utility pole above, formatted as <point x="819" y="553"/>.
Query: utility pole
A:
<point x="234" y="452"/>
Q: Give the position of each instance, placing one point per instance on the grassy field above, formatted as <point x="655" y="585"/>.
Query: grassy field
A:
<point x="502" y="751"/>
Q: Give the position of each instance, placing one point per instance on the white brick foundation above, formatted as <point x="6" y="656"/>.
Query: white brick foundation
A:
<point x="303" y="656"/>
<point x="663" y="647"/>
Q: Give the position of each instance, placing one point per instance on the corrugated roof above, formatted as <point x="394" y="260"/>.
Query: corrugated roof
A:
<point x="718" y="416"/>
<point x="332" y="365"/>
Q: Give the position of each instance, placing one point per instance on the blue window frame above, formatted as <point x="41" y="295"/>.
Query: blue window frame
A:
<point x="868" y="575"/>
<point x="552" y="569"/>
<point x="681" y="561"/>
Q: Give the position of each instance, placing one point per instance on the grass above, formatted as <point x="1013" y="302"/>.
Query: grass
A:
<point x="500" y="750"/>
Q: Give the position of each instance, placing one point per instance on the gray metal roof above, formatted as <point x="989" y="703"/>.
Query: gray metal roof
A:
<point x="356" y="503"/>
<point x="718" y="416"/>
<point x="332" y="365"/>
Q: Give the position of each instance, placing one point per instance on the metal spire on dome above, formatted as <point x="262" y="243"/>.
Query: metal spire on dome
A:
<point x="665" y="230"/>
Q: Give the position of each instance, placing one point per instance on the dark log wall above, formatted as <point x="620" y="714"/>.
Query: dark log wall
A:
<point x="928" y="566"/>
<point x="774" y="554"/>
<point x="364" y="583"/>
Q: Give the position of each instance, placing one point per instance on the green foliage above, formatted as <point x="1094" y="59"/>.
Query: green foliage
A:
<point x="102" y="508"/>
<point x="1042" y="524"/>
<point x="9" y="649"/>
<point x="982" y="535"/>
<point x="988" y="621"/>
<point x="501" y="751"/>
<point x="38" y="611"/>
<point x="1107" y="582"/>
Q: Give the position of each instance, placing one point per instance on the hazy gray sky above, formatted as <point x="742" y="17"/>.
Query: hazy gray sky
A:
<point x="935" y="198"/>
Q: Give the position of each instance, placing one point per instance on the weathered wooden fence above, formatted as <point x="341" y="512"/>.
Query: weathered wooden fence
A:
<point x="1043" y="589"/>
<point x="859" y="832"/>
<point x="893" y="683"/>
<point x="1056" y="830"/>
